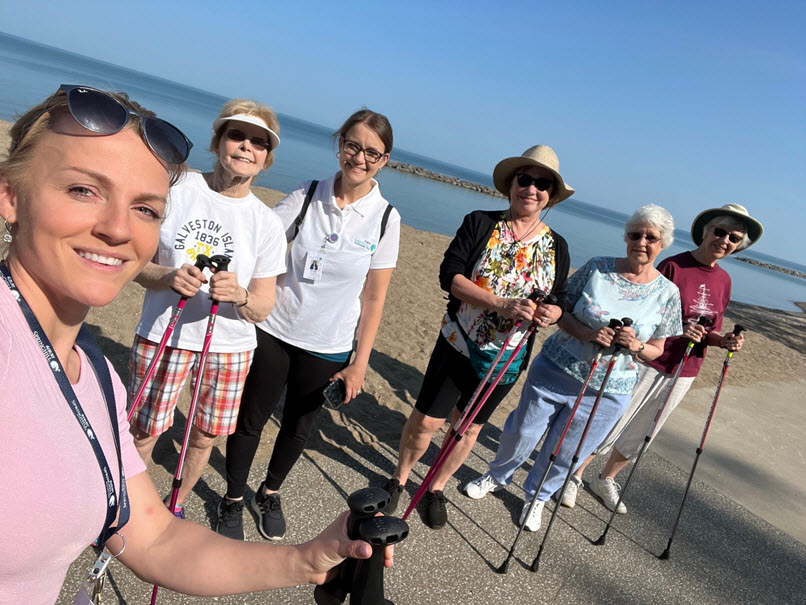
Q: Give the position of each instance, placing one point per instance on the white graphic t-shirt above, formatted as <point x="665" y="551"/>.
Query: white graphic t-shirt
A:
<point x="201" y="221"/>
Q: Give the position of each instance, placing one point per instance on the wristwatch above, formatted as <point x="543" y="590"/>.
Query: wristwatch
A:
<point x="640" y="350"/>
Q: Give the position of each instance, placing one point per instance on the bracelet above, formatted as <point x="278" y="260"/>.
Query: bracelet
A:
<point x="245" y="302"/>
<point x="640" y="350"/>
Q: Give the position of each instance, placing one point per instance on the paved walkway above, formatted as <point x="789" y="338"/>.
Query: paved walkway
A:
<point x="723" y="553"/>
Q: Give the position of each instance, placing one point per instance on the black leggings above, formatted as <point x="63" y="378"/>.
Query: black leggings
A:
<point x="276" y="365"/>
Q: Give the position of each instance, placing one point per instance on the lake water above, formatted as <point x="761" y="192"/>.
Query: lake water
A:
<point x="30" y="71"/>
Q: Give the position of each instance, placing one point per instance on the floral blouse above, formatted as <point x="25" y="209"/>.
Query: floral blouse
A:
<point x="508" y="268"/>
<point x="597" y="293"/>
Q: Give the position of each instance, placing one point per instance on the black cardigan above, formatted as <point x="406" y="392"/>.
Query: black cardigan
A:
<point x="468" y="245"/>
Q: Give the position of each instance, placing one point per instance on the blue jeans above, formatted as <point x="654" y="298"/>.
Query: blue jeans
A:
<point x="545" y="404"/>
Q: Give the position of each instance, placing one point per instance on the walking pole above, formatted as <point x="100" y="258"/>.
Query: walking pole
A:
<point x="220" y="263"/>
<point x="502" y="569"/>
<point x="475" y="404"/>
<point x="650" y="435"/>
<point x="201" y="262"/>
<point x="737" y="329"/>
<point x="626" y="322"/>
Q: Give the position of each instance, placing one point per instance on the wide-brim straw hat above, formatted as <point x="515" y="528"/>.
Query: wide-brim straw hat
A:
<point x="539" y="155"/>
<point x="754" y="227"/>
<point x="250" y="119"/>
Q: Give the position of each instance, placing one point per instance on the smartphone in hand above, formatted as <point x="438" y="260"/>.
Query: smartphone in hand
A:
<point x="335" y="393"/>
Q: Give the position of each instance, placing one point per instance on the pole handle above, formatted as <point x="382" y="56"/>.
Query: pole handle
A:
<point x="738" y="329"/>
<point x="364" y="504"/>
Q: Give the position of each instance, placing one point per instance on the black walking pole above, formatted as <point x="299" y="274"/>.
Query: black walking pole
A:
<point x="649" y="435"/>
<point x="626" y="322"/>
<point x="364" y="579"/>
<point x="737" y="329"/>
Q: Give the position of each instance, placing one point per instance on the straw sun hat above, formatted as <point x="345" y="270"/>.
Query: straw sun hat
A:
<point x="754" y="227"/>
<point x="539" y="155"/>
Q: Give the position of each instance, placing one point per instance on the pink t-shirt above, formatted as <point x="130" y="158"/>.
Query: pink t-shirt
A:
<point x="52" y="496"/>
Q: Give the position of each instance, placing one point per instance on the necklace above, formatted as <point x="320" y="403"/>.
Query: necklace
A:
<point x="513" y="247"/>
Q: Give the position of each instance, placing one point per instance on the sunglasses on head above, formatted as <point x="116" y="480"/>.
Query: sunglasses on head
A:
<point x="100" y="112"/>
<point x="650" y="239"/>
<point x="541" y="183"/>
<point x="719" y="233"/>
<point x="233" y="134"/>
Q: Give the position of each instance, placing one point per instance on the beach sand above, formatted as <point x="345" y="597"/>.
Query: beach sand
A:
<point x="773" y="360"/>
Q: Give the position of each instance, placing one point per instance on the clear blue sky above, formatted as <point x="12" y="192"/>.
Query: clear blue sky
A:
<point x="685" y="104"/>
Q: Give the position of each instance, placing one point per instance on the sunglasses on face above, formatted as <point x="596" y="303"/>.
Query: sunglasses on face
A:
<point x="352" y="148"/>
<point x="634" y="236"/>
<point x="719" y="233"/>
<point x="100" y="112"/>
<point x="541" y="183"/>
<point x="233" y="134"/>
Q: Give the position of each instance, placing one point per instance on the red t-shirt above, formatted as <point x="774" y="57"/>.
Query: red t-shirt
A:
<point x="704" y="292"/>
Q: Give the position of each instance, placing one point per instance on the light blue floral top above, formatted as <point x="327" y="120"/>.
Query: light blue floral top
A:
<point x="597" y="293"/>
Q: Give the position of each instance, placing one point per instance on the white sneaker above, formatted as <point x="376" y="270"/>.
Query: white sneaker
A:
<point x="570" y="497"/>
<point x="480" y="487"/>
<point x="608" y="490"/>
<point x="534" y="520"/>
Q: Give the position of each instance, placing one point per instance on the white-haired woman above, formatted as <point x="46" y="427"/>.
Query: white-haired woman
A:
<point x="705" y="293"/>
<point x="602" y="289"/>
<point x="211" y="213"/>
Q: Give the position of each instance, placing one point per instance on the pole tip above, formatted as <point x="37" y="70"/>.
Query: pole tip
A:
<point x="601" y="540"/>
<point x="535" y="564"/>
<point x="502" y="569"/>
<point x="664" y="556"/>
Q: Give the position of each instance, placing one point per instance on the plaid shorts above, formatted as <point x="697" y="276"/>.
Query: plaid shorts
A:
<point x="219" y="397"/>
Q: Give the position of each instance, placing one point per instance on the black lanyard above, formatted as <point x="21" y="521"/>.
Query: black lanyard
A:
<point x="98" y="363"/>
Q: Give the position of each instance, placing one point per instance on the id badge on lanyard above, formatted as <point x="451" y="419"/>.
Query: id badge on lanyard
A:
<point x="89" y="593"/>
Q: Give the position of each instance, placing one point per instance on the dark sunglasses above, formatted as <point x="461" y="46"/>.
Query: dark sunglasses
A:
<point x="719" y="233"/>
<point x="233" y="134"/>
<point x="650" y="239"/>
<point x="541" y="183"/>
<point x="100" y="112"/>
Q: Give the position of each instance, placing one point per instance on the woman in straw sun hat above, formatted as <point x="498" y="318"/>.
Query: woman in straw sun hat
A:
<point x="497" y="259"/>
<point x="705" y="292"/>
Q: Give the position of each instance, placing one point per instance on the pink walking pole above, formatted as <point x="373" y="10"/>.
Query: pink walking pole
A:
<point x="455" y="436"/>
<point x="201" y="262"/>
<point x="502" y="569"/>
<point x="650" y="434"/>
<point x="220" y="263"/>
<point x="472" y="408"/>
<point x="737" y="329"/>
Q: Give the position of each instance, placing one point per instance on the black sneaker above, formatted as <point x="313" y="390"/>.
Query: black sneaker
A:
<point x="230" y="519"/>
<point x="436" y="513"/>
<point x="394" y="489"/>
<point x="270" y="520"/>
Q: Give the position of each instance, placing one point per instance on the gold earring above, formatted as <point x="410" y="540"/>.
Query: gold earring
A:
<point x="7" y="235"/>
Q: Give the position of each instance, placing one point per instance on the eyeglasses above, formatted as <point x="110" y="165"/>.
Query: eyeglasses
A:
<point x="352" y="148"/>
<point x="650" y="239"/>
<point x="719" y="233"/>
<point x="100" y="112"/>
<point x="541" y="183"/>
<point x="233" y="134"/>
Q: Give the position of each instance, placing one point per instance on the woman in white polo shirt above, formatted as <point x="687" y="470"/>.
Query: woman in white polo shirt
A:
<point x="344" y="247"/>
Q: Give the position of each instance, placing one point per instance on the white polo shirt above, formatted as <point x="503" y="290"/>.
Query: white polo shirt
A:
<point x="321" y="315"/>
<point x="200" y="221"/>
